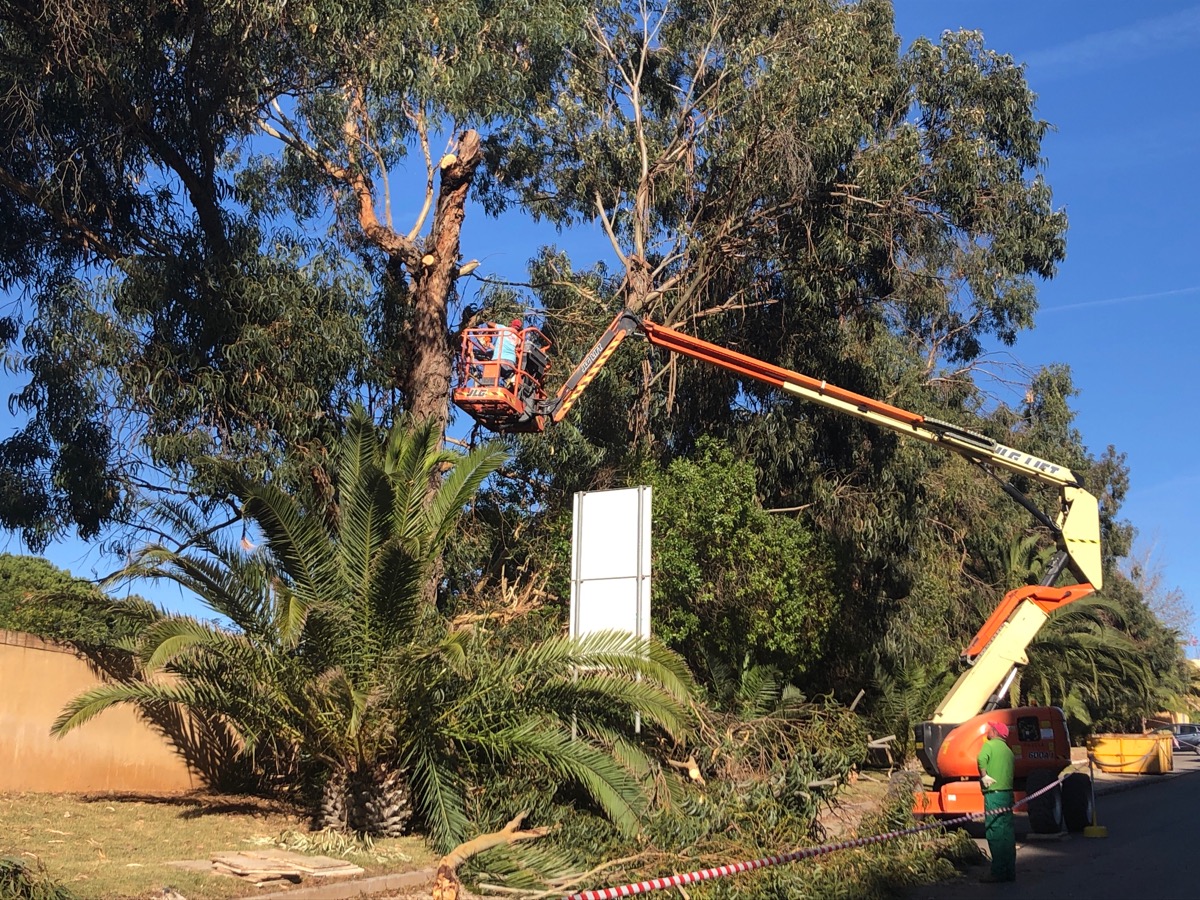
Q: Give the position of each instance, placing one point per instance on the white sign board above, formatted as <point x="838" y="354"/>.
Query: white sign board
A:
<point x="610" y="562"/>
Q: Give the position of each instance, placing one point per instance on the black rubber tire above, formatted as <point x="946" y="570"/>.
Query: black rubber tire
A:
<point x="1046" y="811"/>
<point x="1077" y="801"/>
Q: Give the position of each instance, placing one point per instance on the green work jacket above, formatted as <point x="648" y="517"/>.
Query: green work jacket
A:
<point x="996" y="760"/>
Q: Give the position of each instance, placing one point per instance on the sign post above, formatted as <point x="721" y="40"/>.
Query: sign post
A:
<point x="610" y="563"/>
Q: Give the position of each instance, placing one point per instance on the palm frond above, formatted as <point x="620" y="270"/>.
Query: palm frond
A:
<point x="290" y="615"/>
<point x="412" y="460"/>
<point x="394" y="593"/>
<point x="236" y="590"/>
<point x="364" y="507"/>
<point x="169" y="638"/>
<point x="91" y="703"/>
<point x="759" y="691"/>
<point x="298" y="542"/>
<point x="439" y="792"/>
<point x="457" y="489"/>
<point x="612" y="787"/>
<point x="596" y="693"/>
<point x="613" y="651"/>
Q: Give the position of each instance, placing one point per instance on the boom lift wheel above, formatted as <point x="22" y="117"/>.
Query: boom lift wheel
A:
<point x="1046" y="811"/>
<point x="1077" y="801"/>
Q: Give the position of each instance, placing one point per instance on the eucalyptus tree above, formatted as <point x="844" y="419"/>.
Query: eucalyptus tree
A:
<point x="333" y="660"/>
<point x="784" y="179"/>
<point x="782" y="172"/>
<point x="384" y="81"/>
<point x="136" y="277"/>
<point x="198" y="222"/>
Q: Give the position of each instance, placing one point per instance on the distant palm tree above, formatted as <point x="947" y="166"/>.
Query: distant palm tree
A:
<point x="906" y="692"/>
<point x="1081" y="658"/>
<point x="1090" y="660"/>
<point x="335" y="658"/>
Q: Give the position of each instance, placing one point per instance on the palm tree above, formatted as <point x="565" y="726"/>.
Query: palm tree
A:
<point x="335" y="658"/>
<point x="1082" y="658"/>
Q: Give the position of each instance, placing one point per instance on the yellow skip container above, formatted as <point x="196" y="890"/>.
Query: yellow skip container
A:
<point x="1132" y="754"/>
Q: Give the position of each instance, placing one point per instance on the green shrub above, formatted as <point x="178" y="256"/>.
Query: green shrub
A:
<point x="20" y="882"/>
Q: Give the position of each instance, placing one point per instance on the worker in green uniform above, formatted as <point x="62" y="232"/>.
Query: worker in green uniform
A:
<point x="996" y="773"/>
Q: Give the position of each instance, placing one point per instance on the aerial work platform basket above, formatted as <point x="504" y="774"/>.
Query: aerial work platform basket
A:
<point x="499" y="377"/>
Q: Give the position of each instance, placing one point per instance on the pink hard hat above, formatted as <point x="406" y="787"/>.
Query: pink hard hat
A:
<point x="999" y="727"/>
<point x="516" y="323"/>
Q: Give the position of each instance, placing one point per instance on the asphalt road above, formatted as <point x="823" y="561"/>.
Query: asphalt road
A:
<point x="1150" y="851"/>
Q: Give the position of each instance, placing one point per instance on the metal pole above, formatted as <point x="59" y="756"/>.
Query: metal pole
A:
<point x="1095" y="830"/>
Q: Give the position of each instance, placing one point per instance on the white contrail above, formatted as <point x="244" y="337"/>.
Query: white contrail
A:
<point x="1132" y="298"/>
<point x="1138" y="40"/>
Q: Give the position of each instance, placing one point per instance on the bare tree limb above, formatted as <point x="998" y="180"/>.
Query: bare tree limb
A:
<point x="446" y="885"/>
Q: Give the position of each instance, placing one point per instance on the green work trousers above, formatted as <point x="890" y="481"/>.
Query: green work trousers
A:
<point x="1002" y="841"/>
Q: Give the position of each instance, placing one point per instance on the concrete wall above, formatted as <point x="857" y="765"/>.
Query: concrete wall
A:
<point x="116" y="751"/>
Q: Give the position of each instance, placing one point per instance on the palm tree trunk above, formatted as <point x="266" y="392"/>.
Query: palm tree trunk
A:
<point x="386" y="806"/>
<point x="333" y="813"/>
<point x="375" y="799"/>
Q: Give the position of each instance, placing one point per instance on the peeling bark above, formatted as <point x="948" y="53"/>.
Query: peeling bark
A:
<point x="427" y="387"/>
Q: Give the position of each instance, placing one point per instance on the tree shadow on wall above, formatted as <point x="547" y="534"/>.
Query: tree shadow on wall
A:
<point x="205" y="742"/>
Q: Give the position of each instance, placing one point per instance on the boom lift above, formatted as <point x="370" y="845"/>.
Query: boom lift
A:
<point x="513" y="399"/>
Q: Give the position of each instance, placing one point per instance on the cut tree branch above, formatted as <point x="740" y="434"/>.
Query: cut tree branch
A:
<point x="446" y="885"/>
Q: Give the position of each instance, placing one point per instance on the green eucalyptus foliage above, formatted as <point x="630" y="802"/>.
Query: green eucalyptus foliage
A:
<point x="154" y="305"/>
<point x="785" y="158"/>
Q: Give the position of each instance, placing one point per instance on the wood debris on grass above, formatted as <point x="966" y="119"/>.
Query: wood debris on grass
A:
<point x="268" y="867"/>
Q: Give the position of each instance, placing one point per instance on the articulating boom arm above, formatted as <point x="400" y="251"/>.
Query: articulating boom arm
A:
<point x="625" y="324"/>
<point x="1076" y="525"/>
<point x="998" y="649"/>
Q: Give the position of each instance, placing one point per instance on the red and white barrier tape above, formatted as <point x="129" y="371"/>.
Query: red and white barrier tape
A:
<point x="642" y="887"/>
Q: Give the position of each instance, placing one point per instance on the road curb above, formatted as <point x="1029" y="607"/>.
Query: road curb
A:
<point x="1118" y="787"/>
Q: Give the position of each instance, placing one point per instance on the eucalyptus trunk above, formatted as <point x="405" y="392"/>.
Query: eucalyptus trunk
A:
<point x="427" y="377"/>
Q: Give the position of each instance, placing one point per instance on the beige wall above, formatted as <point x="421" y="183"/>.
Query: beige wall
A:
<point x="116" y="751"/>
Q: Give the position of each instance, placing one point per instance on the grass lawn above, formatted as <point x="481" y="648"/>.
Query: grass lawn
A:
<point x="118" y="846"/>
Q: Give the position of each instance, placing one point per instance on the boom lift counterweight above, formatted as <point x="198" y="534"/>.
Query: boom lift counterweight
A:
<point x="948" y="742"/>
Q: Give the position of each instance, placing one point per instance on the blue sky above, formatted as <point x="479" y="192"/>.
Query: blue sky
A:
<point x="1118" y="83"/>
